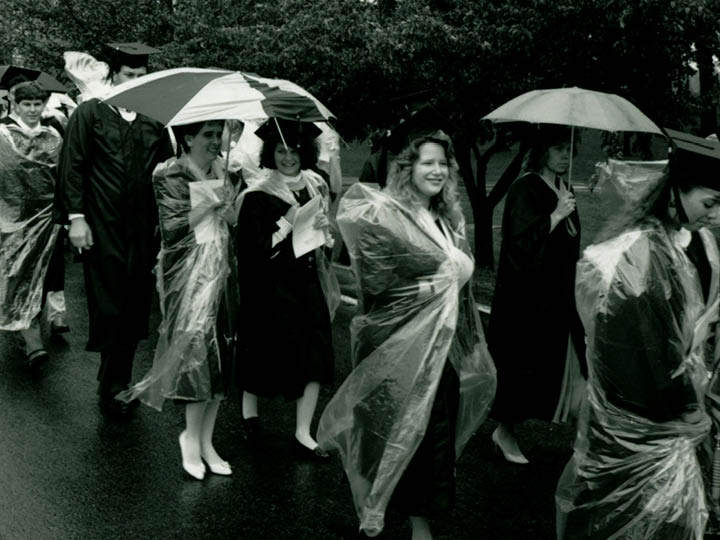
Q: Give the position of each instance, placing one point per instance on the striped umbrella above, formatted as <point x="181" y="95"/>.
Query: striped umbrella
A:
<point x="186" y="95"/>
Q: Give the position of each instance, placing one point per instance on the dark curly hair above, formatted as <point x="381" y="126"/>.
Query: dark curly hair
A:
<point x="306" y="149"/>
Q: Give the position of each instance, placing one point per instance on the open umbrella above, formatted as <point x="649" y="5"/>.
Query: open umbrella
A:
<point x="187" y="95"/>
<point x="48" y="82"/>
<point x="575" y="107"/>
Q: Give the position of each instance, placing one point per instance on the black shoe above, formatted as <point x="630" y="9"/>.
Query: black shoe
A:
<point x="114" y="408"/>
<point x="36" y="360"/>
<point x="58" y="326"/>
<point x="252" y="430"/>
<point x="309" y="454"/>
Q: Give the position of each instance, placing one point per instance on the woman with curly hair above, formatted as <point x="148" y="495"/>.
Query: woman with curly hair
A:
<point x="287" y="299"/>
<point x="423" y="379"/>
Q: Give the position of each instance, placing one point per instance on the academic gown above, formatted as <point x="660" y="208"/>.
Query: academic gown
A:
<point x="284" y="333"/>
<point x="105" y="173"/>
<point x="533" y="308"/>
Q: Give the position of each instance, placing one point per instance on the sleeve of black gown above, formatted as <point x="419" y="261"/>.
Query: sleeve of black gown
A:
<point x="526" y="228"/>
<point x="638" y="350"/>
<point x="256" y="224"/>
<point x="73" y="164"/>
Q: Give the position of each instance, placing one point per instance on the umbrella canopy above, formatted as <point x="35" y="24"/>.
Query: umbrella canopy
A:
<point x="575" y="107"/>
<point x="48" y="82"/>
<point x="186" y="95"/>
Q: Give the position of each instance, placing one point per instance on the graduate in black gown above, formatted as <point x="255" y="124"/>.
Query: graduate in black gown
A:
<point x="533" y="308"/>
<point x="105" y="190"/>
<point x="648" y="297"/>
<point x="286" y="301"/>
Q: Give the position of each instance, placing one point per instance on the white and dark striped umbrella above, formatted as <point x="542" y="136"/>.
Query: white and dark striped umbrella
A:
<point x="186" y="95"/>
<point x="575" y="107"/>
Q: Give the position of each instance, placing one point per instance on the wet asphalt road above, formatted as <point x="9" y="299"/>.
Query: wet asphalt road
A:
<point x="69" y="473"/>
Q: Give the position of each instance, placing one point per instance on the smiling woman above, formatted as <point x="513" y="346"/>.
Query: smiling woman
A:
<point x="288" y="297"/>
<point x="423" y="379"/>
<point x="194" y="355"/>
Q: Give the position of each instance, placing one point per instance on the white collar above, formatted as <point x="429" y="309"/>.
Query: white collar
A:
<point x="27" y="129"/>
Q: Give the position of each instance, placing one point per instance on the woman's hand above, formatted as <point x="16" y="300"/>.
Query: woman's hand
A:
<point x="321" y="221"/>
<point x="565" y="205"/>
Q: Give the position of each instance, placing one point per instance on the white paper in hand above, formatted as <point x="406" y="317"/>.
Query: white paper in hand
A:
<point x="305" y="237"/>
<point x="204" y="199"/>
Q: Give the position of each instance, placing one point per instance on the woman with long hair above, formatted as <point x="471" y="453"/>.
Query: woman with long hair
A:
<point x="423" y="379"/>
<point x="533" y="322"/>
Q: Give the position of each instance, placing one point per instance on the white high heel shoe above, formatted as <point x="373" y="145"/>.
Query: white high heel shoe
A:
<point x="194" y="470"/>
<point x="513" y="457"/>
<point x="221" y="467"/>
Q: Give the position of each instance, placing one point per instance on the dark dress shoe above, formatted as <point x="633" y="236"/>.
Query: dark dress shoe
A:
<point x="114" y="408"/>
<point x="36" y="360"/>
<point x="252" y="430"/>
<point x="309" y="454"/>
<point x="58" y="326"/>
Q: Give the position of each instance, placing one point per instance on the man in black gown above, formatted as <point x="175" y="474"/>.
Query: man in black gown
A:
<point x="105" y="189"/>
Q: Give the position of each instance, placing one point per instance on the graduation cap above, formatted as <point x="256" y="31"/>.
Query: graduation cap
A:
<point x="12" y="75"/>
<point x="133" y="54"/>
<point x="694" y="159"/>
<point x="292" y="133"/>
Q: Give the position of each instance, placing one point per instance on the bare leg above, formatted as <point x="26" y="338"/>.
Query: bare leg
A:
<point x="249" y="405"/>
<point x="190" y="439"/>
<point x="305" y="409"/>
<point x="208" y="426"/>
<point x="32" y="337"/>
<point x="420" y="528"/>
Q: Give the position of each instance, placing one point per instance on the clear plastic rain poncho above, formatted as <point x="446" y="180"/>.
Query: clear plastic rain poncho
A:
<point x="27" y="233"/>
<point x="195" y="336"/>
<point x="635" y="473"/>
<point x="416" y="312"/>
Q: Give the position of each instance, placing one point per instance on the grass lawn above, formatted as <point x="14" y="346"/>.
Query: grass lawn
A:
<point x="593" y="208"/>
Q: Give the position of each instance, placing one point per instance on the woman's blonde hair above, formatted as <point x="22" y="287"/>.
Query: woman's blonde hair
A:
<point x="400" y="185"/>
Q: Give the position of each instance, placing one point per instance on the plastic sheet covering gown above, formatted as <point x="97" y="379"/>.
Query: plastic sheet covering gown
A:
<point x="195" y="335"/>
<point x="27" y="234"/>
<point x="635" y="472"/>
<point x="416" y="312"/>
